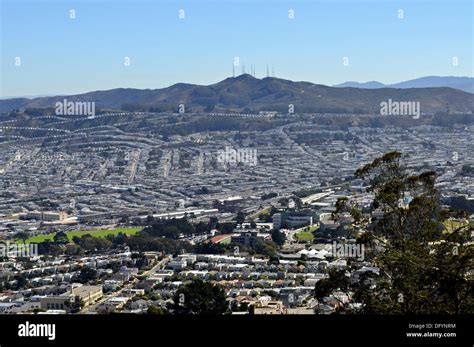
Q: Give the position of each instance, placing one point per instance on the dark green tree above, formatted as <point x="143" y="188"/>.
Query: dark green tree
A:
<point x="60" y="237"/>
<point x="152" y="309"/>
<point x="75" y="306"/>
<point x="240" y="218"/>
<point x="198" y="297"/>
<point x="338" y="281"/>
<point x="423" y="267"/>
<point x="87" y="275"/>
<point x="264" y="247"/>
<point x="278" y="237"/>
<point x="23" y="236"/>
<point x="22" y="281"/>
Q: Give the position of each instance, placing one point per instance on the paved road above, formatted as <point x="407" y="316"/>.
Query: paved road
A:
<point x="92" y="308"/>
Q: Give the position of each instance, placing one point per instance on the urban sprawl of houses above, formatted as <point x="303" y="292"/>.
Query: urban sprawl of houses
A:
<point x="103" y="177"/>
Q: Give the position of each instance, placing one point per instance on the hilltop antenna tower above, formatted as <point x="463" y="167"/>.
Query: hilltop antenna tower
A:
<point x="233" y="70"/>
<point x="268" y="75"/>
<point x="273" y="70"/>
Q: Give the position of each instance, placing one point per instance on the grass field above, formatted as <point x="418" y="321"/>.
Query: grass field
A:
<point x="261" y="212"/>
<point x="226" y="241"/>
<point x="95" y="233"/>
<point x="304" y="236"/>
<point x="307" y="233"/>
<point x="452" y="224"/>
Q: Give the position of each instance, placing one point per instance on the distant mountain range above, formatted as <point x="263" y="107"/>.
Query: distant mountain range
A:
<point x="462" y="83"/>
<point x="250" y="94"/>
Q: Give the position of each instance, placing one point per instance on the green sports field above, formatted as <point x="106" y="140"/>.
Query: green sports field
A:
<point x="95" y="233"/>
<point x="304" y="236"/>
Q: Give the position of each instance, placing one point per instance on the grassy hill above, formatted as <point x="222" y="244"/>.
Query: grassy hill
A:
<point x="247" y="93"/>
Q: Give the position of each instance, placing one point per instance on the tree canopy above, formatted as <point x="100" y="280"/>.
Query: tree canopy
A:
<point x="198" y="297"/>
<point x="424" y="267"/>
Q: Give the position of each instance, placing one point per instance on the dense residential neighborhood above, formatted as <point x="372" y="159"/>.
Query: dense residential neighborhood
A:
<point x="143" y="217"/>
<point x="236" y="172"/>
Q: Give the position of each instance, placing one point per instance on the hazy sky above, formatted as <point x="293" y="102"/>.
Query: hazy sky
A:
<point x="63" y="55"/>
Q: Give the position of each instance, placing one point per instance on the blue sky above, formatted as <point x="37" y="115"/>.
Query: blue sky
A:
<point x="60" y="55"/>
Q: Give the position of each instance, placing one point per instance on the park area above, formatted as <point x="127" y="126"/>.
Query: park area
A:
<point x="94" y="233"/>
<point x="306" y="235"/>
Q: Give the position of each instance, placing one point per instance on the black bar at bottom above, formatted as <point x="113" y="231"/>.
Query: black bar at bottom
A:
<point x="249" y="331"/>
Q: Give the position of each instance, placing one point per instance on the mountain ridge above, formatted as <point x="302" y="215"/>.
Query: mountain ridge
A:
<point x="250" y="94"/>
<point x="461" y="83"/>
